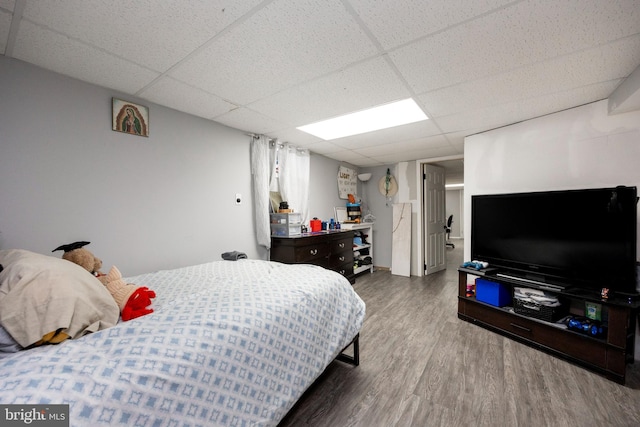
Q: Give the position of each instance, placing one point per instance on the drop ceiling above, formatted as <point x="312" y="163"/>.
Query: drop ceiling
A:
<point x="267" y="67"/>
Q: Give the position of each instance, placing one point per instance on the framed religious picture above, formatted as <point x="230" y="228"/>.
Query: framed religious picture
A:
<point x="130" y="118"/>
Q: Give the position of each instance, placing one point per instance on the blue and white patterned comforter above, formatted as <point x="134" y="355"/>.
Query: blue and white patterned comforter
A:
<point x="229" y="343"/>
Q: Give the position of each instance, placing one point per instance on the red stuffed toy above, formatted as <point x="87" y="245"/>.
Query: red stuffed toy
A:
<point x="131" y="299"/>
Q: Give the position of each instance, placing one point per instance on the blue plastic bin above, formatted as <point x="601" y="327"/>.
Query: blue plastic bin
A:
<point x="493" y="293"/>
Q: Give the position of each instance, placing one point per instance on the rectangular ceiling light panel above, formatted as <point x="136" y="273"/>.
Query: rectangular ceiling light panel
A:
<point x="381" y="117"/>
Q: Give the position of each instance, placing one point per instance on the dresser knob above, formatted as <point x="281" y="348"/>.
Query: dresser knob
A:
<point x="341" y="258"/>
<point x="313" y="252"/>
<point x="341" y="244"/>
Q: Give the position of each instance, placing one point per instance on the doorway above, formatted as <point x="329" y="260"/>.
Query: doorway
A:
<point x="434" y="218"/>
<point x="431" y="248"/>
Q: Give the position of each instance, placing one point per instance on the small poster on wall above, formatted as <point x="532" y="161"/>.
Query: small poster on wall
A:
<point x="130" y="118"/>
<point x="347" y="182"/>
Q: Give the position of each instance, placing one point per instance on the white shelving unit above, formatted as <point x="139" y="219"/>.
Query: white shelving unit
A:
<point x="365" y="228"/>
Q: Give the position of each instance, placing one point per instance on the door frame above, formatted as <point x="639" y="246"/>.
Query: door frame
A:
<point x="420" y="232"/>
<point x="434" y="192"/>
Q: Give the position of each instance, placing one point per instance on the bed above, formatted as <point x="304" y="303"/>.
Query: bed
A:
<point x="230" y="343"/>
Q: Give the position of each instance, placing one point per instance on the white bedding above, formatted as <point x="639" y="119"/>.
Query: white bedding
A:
<point x="230" y="343"/>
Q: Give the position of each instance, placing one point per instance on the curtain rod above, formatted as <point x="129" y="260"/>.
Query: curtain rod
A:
<point x="273" y="141"/>
<point x="255" y="136"/>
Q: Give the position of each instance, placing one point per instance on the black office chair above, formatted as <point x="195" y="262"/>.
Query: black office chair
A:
<point x="447" y="229"/>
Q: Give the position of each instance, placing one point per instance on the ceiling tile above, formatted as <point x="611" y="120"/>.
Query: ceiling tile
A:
<point x="249" y="121"/>
<point x="529" y="32"/>
<point x="512" y="112"/>
<point x="394" y="24"/>
<point x="153" y="33"/>
<point x="459" y="147"/>
<point x="456" y="139"/>
<point x="425" y="153"/>
<point x="58" y="53"/>
<point x="386" y="136"/>
<point x="353" y="158"/>
<point x="363" y="85"/>
<point x="606" y="63"/>
<point x="282" y="45"/>
<point x="325" y="147"/>
<point x="302" y="139"/>
<point x="367" y="162"/>
<point x="177" y="95"/>
<point x="434" y="142"/>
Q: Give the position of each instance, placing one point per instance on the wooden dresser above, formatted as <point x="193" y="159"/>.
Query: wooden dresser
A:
<point x="332" y="250"/>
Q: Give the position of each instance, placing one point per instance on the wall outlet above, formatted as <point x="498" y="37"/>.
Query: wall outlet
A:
<point x="238" y="199"/>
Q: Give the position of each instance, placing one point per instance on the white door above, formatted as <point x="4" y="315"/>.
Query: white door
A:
<point x="434" y="219"/>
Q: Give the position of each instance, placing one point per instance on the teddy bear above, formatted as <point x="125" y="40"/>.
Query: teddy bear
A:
<point x="132" y="300"/>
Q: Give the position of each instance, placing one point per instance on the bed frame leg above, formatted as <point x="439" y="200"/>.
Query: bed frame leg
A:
<point x="355" y="359"/>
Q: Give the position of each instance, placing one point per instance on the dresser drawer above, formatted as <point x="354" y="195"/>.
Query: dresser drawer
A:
<point x="341" y="253"/>
<point x="571" y="344"/>
<point x="332" y="250"/>
<point x="312" y="254"/>
<point x="342" y="245"/>
<point x="345" y="269"/>
<point x="336" y="260"/>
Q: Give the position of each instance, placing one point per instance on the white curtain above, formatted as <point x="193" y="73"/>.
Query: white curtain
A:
<point x="261" y="170"/>
<point x="290" y="167"/>
<point x="294" y="179"/>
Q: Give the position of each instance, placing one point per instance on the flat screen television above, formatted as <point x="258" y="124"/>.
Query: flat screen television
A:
<point x="564" y="239"/>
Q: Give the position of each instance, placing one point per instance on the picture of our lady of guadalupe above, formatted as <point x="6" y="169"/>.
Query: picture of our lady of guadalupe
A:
<point x="130" y="118"/>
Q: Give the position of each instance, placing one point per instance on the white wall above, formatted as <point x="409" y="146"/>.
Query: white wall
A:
<point x="144" y="203"/>
<point x="323" y="188"/>
<point x="582" y="147"/>
<point x="579" y="148"/>
<point x="383" y="211"/>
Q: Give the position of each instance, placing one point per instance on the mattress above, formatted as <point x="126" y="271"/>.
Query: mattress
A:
<point x="230" y="343"/>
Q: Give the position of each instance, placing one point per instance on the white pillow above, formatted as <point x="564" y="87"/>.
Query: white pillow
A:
<point x="40" y="294"/>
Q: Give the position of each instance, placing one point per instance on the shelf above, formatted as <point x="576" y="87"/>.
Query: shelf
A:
<point x="558" y="325"/>
<point x="607" y="355"/>
<point x="361" y="269"/>
<point x="365" y="228"/>
<point x="357" y="226"/>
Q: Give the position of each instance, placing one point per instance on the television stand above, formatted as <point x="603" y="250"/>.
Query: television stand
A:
<point x="536" y="283"/>
<point x="607" y="356"/>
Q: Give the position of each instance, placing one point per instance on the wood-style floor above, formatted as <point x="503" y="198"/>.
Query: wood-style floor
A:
<point x="422" y="366"/>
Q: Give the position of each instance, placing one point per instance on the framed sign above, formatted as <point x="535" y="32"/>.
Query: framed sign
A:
<point x="129" y="118"/>
<point x="347" y="182"/>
